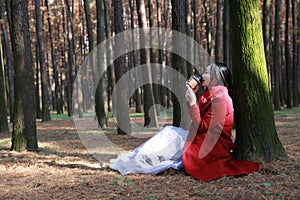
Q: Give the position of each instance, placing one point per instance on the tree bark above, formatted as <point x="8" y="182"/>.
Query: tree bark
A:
<point x="276" y="49"/>
<point x="150" y="118"/>
<point x="218" y="46"/>
<point x="44" y="75"/>
<point x="180" y="115"/>
<point x="226" y="35"/>
<point x="295" y="55"/>
<point x="3" y="113"/>
<point x="122" y="113"/>
<point x="24" y="127"/>
<point x="9" y="65"/>
<point x="255" y="127"/>
<point x="288" y="57"/>
<point x="101" y="93"/>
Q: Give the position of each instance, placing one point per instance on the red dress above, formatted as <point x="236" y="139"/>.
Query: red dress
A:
<point x="207" y="152"/>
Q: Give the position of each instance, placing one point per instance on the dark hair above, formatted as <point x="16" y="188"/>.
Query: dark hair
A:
<point x="223" y="75"/>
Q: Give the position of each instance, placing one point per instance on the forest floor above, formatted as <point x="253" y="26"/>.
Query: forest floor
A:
<point x="63" y="169"/>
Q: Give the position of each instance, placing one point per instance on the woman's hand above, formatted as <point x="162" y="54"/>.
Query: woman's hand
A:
<point x="190" y="96"/>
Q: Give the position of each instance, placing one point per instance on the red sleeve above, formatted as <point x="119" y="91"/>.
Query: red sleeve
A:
<point x="201" y="122"/>
<point x="212" y="119"/>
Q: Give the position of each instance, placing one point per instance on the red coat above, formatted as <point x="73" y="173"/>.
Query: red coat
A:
<point x="207" y="152"/>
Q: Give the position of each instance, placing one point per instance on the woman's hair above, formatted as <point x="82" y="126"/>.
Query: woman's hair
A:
<point x="222" y="74"/>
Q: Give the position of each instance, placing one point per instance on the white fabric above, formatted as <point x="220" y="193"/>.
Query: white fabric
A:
<point x="160" y="152"/>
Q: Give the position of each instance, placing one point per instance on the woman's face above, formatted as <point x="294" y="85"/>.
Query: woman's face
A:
<point x="206" y="77"/>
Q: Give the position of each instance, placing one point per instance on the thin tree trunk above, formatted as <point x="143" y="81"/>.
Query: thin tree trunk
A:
<point x="101" y="92"/>
<point x="288" y="57"/>
<point x="295" y="55"/>
<point x="44" y="75"/>
<point x="150" y="118"/>
<point x="3" y="113"/>
<point x="134" y="60"/>
<point x="226" y="34"/>
<point x="8" y="56"/>
<point x="276" y="55"/>
<point x="218" y="46"/>
<point x="37" y="85"/>
<point x="109" y="55"/>
<point x="71" y="53"/>
<point x="122" y="113"/>
<point x="208" y="28"/>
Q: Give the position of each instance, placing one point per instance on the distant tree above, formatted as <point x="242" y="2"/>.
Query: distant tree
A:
<point x="41" y="53"/>
<point x="150" y="119"/>
<point x="255" y="127"/>
<point x="295" y="54"/>
<point x="101" y="93"/>
<point x="218" y="47"/>
<point x="8" y="60"/>
<point x="120" y="69"/>
<point x="24" y="127"/>
<point x="58" y="98"/>
<point x="177" y="63"/>
<point x="226" y="34"/>
<point x="276" y="56"/>
<point x="3" y="112"/>
<point x="287" y="51"/>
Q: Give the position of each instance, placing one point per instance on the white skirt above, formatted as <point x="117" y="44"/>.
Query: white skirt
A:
<point x="160" y="152"/>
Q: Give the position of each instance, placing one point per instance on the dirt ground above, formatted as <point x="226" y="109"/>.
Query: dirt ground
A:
<point x="64" y="169"/>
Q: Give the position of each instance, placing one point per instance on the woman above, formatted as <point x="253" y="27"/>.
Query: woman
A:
<point x="207" y="152"/>
<point x="204" y="150"/>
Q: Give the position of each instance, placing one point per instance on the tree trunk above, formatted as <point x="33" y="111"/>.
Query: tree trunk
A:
<point x="24" y="127"/>
<point x="208" y="28"/>
<point x="288" y="57"/>
<point x="295" y="55"/>
<point x="150" y="118"/>
<point x="134" y="60"/>
<point x="266" y="29"/>
<point x="226" y="35"/>
<point x="9" y="65"/>
<point x="180" y="115"/>
<point x="3" y="113"/>
<point x="101" y="93"/>
<point x="44" y="75"/>
<point x="277" y="56"/>
<point x="255" y="127"/>
<point x="218" y="46"/>
<point x="58" y="97"/>
<point x="71" y="60"/>
<point x="121" y="108"/>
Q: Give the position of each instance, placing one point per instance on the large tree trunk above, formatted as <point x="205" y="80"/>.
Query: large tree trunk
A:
<point x="255" y="127"/>
<point x="150" y="118"/>
<point x="24" y="127"/>
<point x="43" y="70"/>
<point x="122" y="113"/>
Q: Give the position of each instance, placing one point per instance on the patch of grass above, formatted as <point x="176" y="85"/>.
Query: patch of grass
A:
<point x="288" y="112"/>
